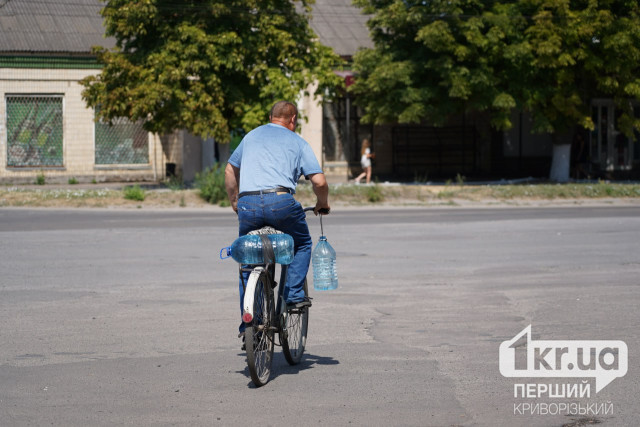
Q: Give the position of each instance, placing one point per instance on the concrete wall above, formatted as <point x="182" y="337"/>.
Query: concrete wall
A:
<point x="78" y="132"/>
<point x="311" y="127"/>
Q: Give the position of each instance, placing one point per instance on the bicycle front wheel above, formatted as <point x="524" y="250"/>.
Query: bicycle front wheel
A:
<point x="259" y="334"/>
<point x="294" y="331"/>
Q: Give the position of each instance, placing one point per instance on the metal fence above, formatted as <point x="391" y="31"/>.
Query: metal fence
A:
<point x="121" y="142"/>
<point x="34" y="130"/>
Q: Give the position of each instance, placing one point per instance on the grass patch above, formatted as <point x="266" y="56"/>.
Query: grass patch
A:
<point x="134" y="193"/>
<point x="374" y="194"/>
<point x="339" y="194"/>
<point x="565" y="191"/>
<point x="15" y="196"/>
<point x="345" y="193"/>
<point x="174" y="183"/>
<point x="447" y="194"/>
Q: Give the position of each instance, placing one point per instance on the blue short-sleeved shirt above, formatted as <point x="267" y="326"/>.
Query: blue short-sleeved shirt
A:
<point x="272" y="156"/>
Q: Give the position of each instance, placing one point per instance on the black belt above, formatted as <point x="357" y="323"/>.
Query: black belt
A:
<point x="268" y="190"/>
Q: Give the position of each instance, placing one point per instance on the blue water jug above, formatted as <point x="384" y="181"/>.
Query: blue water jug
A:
<point x="323" y="259"/>
<point x="248" y="249"/>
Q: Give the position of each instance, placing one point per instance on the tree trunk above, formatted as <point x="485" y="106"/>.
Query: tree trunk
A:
<point x="560" y="163"/>
<point x="561" y="157"/>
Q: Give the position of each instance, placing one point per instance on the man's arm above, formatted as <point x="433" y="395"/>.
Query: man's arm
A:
<point x="321" y="190"/>
<point x="231" y="183"/>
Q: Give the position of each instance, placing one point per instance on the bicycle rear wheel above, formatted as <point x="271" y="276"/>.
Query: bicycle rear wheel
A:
<point x="294" y="331"/>
<point x="259" y="334"/>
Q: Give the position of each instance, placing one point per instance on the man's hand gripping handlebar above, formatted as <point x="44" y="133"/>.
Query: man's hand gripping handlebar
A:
<point x="317" y="210"/>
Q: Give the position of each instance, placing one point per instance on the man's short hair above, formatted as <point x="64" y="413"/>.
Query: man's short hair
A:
<point x="283" y="110"/>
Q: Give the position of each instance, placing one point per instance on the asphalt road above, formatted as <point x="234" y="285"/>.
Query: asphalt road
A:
<point x="129" y="318"/>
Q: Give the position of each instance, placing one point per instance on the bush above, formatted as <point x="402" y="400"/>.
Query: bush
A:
<point x="72" y="181"/>
<point x="211" y="185"/>
<point x="134" y="193"/>
<point x="40" y="179"/>
<point x="374" y="194"/>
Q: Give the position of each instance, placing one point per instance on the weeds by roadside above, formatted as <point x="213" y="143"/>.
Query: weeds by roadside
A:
<point x="174" y="183"/>
<point x="565" y="191"/>
<point x="134" y="193"/>
<point x="211" y="185"/>
<point x="17" y="197"/>
<point x="375" y="194"/>
<point x="40" y="180"/>
<point x="340" y="194"/>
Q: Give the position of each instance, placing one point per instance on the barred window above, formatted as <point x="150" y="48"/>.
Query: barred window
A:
<point x="34" y="130"/>
<point x="121" y="142"/>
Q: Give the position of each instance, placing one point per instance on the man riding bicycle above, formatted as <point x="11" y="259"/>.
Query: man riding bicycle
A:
<point x="260" y="179"/>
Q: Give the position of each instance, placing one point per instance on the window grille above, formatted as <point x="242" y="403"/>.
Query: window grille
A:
<point x="34" y="130"/>
<point x="121" y="143"/>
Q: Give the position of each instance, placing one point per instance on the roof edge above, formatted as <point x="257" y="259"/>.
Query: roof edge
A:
<point x="62" y="61"/>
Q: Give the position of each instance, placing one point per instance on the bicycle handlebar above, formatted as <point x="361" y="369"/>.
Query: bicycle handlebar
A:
<point x="321" y="211"/>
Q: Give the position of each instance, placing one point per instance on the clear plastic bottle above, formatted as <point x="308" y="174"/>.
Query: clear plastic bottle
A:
<point x="248" y="249"/>
<point x="323" y="259"/>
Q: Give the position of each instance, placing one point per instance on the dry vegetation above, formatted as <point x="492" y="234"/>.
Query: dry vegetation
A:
<point x="341" y="195"/>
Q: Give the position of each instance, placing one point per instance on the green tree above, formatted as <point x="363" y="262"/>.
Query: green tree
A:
<point x="206" y="66"/>
<point x="436" y="58"/>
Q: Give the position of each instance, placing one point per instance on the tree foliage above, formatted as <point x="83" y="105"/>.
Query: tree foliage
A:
<point x="436" y="58"/>
<point x="207" y="66"/>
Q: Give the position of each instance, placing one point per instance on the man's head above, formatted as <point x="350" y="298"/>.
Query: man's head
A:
<point x="284" y="113"/>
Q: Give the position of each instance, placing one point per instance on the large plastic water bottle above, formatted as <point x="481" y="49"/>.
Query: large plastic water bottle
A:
<point x="323" y="259"/>
<point x="248" y="249"/>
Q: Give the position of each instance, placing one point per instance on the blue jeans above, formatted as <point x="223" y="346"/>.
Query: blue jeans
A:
<point x="284" y="213"/>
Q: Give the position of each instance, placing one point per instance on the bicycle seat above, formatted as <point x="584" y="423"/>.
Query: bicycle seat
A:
<point x="265" y="230"/>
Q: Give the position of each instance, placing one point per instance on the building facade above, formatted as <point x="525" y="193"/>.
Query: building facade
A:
<point x="46" y="128"/>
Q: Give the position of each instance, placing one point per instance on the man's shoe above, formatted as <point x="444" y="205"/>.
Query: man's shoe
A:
<point x="306" y="302"/>
<point x="244" y="346"/>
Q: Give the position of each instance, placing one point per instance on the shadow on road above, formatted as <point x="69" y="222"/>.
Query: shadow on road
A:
<point x="280" y="366"/>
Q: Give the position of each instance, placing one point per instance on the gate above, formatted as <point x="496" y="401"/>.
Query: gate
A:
<point x="421" y="152"/>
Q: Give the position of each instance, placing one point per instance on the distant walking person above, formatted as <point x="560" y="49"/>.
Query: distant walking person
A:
<point x="365" y="161"/>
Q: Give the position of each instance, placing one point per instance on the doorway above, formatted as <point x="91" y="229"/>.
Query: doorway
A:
<point x="610" y="149"/>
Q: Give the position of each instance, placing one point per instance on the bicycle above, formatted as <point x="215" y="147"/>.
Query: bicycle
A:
<point x="264" y="317"/>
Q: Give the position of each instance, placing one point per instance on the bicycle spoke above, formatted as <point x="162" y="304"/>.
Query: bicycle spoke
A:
<point x="295" y="333"/>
